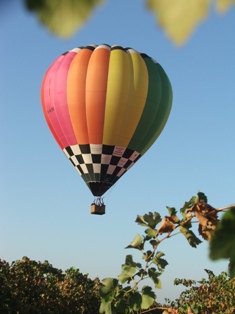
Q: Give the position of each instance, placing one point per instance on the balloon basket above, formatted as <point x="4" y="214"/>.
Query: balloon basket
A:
<point x="98" y="207"/>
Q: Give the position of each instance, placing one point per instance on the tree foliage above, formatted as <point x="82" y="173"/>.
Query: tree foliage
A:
<point x="207" y="296"/>
<point x="178" y="18"/>
<point x="30" y="287"/>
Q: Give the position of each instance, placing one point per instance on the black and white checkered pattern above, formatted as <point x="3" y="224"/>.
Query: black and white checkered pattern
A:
<point x="101" y="163"/>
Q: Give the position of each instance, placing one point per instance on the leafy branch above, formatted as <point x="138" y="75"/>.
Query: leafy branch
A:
<point x="117" y="293"/>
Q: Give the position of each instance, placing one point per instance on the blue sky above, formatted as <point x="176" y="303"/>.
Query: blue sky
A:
<point x="44" y="204"/>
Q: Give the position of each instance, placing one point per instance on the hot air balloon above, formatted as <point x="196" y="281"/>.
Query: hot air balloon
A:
<point x="105" y="106"/>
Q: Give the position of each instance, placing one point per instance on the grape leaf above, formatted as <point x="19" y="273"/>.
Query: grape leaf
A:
<point x="127" y="273"/>
<point x="154" y="275"/>
<point x="63" y="17"/>
<point x="135" y="301"/>
<point x="107" y="288"/>
<point x="137" y="243"/>
<point x="179" y="17"/>
<point x="120" y="305"/>
<point x="159" y="261"/>
<point x="105" y="307"/>
<point x="190" y="236"/>
<point x="185" y="208"/>
<point x="151" y="233"/>
<point x="128" y="269"/>
<point x="107" y="293"/>
<point x="167" y="225"/>
<point x="140" y="221"/>
<point x="171" y="211"/>
<point x="223" y="5"/>
<point x="129" y="261"/>
<point x="152" y="219"/>
<point x="206" y="226"/>
<point x="148" y="297"/>
<point x="222" y="244"/>
<point x="148" y="220"/>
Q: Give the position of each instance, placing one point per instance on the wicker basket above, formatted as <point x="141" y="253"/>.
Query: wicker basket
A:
<point x="97" y="209"/>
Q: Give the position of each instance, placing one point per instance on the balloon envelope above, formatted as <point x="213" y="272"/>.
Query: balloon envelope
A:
<point x="105" y="106"/>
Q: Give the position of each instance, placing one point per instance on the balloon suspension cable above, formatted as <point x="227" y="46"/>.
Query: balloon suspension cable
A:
<point x="98" y="201"/>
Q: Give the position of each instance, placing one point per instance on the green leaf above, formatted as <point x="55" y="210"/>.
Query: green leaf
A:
<point x="148" y="297"/>
<point x="190" y="236"/>
<point x="105" y="307"/>
<point x="159" y="254"/>
<point x="120" y="305"/>
<point x="107" y="289"/>
<point x="148" y="220"/>
<point x="154" y="243"/>
<point x="129" y="261"/>
<point x="63" y="17"/>
<point x="172" y="211"/>
<point x="223" y="5"/>
<point x="222" y="244"/>
<point x="135" y="301"/>
<point x="186" y="206"/>
<point x="151" y="233"/>
<point x="137" y="243"/>
<point x="159" y="261"/>
<point x="140" y="221"/>
<point x="141" y="273"/>
<point x="154" y="275"/>
<point x="152" y="219"/>
<point x="210" y="273"/>
<point x="179" y="18"/>
<point x="147" y="255"/>
<point x="128" y="270"/>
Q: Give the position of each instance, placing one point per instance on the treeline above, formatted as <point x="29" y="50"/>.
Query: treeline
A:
<point x="30" y="287"/>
